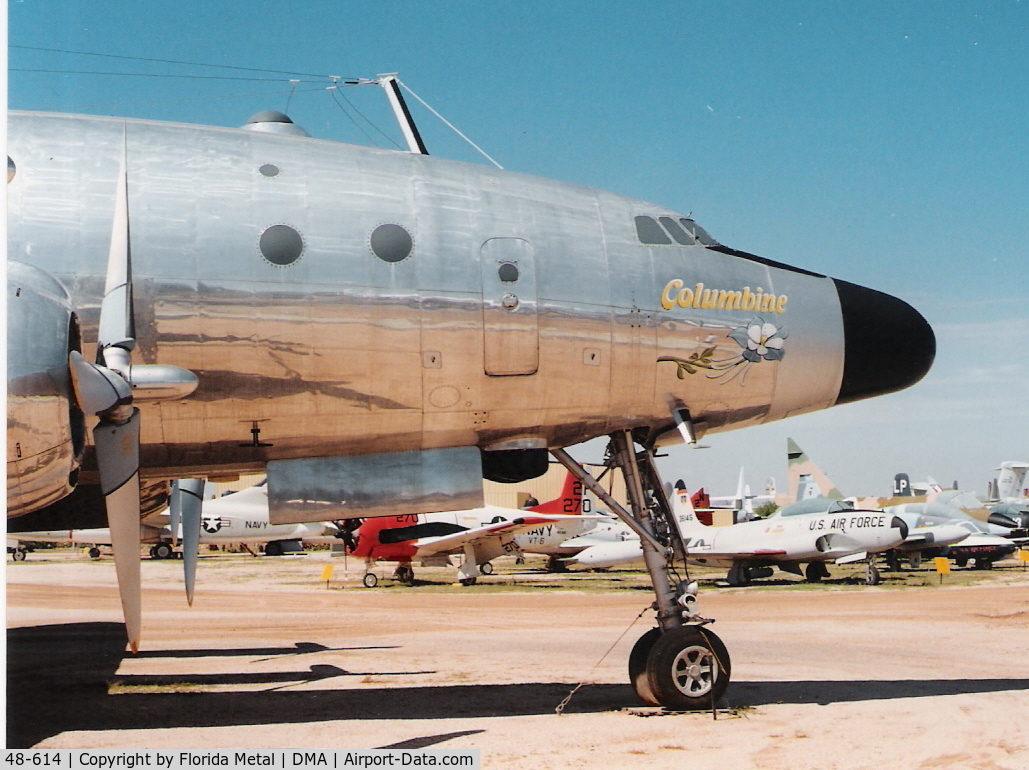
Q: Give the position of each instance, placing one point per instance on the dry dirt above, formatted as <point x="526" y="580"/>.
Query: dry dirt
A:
<point x="841" y="675"/>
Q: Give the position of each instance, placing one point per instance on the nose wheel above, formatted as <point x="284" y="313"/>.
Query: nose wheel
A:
<point x="684" y="669"/>
<point x="688" y="668"/>
<point x="680" y="665"/>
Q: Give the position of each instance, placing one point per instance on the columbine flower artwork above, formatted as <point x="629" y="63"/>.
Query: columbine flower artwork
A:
<point x="759" y="340"/>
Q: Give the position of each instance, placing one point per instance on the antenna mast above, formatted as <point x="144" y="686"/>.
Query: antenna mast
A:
<point x="407" y="125"/>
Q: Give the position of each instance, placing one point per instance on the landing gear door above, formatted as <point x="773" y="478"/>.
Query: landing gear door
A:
<point x="510" y="323"/>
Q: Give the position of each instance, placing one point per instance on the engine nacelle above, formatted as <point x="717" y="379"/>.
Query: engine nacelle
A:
<point x="45" y="428"/>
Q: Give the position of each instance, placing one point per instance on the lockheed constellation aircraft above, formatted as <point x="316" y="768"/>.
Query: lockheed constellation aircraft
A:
<point x="379" y="330"/>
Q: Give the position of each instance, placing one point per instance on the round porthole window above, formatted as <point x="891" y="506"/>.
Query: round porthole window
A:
<point x="391" y="243"/>
<point x="281" y="245"/>
<point x="508" y="272"/>
<point x="269" y="169"/>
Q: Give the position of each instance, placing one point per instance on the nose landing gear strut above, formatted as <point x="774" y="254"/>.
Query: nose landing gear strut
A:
<point x="680" y="664"/>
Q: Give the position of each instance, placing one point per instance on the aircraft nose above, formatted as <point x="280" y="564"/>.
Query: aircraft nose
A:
<point x="899" y="523"/>
<point x="889" y="346"/>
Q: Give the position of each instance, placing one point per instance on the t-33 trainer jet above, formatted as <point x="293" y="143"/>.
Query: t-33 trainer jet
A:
<point x="379" y="330"/>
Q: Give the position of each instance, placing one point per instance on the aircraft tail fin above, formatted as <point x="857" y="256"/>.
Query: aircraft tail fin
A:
<point x="683" y="512"/>
<point x="805" y="479"/>
<point x="570" y="500"/>
<point x="741" y="492"/>
<point x="1011" y="480"/>
<point x="746" y="511"/>
<point x="902" y="485"/>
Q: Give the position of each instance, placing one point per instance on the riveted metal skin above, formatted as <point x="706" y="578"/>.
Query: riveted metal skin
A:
<point x="340" y="353"/>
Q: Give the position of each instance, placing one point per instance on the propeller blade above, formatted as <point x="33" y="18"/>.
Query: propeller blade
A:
<point x="117" y="322"/>
<point x="107" y="389"/>
<point x="191" y="497"/>
<point x="174" y="512"/>
<point x="117" y="455"/>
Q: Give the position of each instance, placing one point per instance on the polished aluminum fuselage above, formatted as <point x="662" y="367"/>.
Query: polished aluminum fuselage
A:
<point x="343" y="353"/>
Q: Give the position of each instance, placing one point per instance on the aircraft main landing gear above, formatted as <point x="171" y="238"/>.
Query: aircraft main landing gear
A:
<point x="162" y="551"/>
<point x="680" y="664"/>
<point x="871" y="573"/>
<point x="815" y="571"/>
<point x="404" y="574"/>
<point x="738" y="575"/>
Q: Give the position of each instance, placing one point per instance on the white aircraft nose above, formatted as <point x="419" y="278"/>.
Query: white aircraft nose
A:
<point x="948" y="534"/>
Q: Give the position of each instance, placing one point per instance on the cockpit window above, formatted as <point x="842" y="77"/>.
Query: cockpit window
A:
<point x="680" y="235"/>
<point x="650" y="231"/>
<point x="686" y="232"/>
<point x="698" y="232"/>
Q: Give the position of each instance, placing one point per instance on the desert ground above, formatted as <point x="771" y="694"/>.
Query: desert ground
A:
<point x="910" y="673"/>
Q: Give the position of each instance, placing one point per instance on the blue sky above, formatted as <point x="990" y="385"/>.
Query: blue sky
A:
<point x="885" y="143"/>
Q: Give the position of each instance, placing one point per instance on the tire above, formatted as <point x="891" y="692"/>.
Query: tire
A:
<point x="162" y="551"/>
<point x="815" y="571"/>
<point x="370" y="580"/>
<point x="961" y="561"/>
<point x="404" y="574"/>
<point x="738" y="576"/>
<point x="688" y="669"/>
<point x="19" y="555"/>
<point x="983" y="563"/>
<point x="468" y="581"/>
<point x="94" y="553"/>
<point x="486" y="568"/>
<point x="871" y="575"/>
<point x="273" y="548"/>
<point x="638" y="667"/>
<point x="554" y="564"/>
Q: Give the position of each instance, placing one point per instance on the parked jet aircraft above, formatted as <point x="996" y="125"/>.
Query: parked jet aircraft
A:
<point x="1003" y="511"/>
<point x="751" y="549"/>
<point x="477" y="535"/>
<point x="378" y="330"/>
<point x="983" y="543"/>
<point x="236" y="518"/>
<point x="818" y="494"/>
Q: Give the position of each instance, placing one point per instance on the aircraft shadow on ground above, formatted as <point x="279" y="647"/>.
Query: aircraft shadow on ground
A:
<point x="58" y="676"/>
<point x="747" y="694"/>
<point x="300" y="648"/>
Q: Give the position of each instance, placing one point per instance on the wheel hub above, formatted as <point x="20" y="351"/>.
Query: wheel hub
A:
<point x="693" y="671"/>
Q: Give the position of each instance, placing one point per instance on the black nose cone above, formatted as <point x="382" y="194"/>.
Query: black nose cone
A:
<point x="889" y="346"/>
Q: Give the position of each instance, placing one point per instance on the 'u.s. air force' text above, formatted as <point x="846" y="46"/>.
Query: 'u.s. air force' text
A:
<point x="843" y="523"/>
